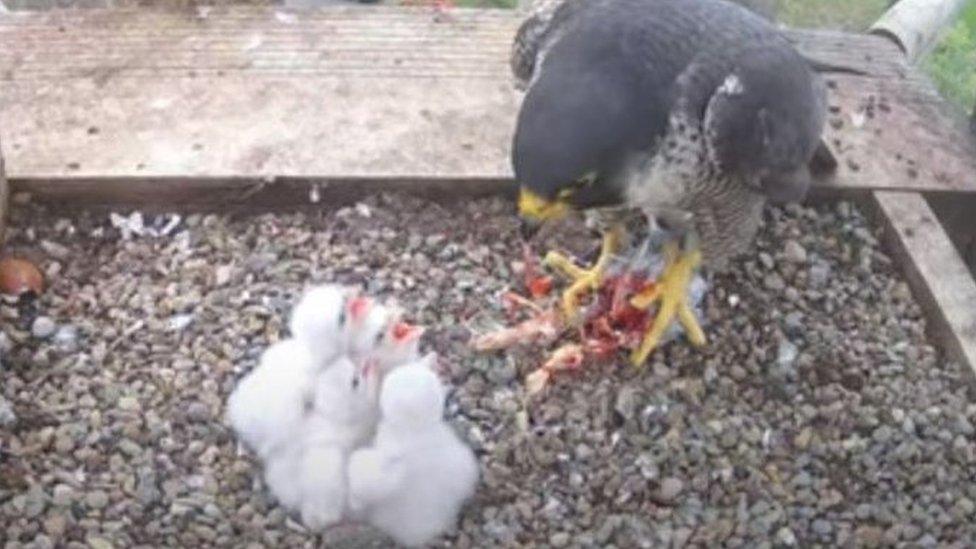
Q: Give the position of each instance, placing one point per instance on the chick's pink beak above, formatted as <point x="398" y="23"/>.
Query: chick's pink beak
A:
<point x="403" y="332"/>
<point x="358" y="307"/>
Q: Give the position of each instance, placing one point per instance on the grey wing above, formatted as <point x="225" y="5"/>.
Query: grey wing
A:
<point x="536" y="33"/>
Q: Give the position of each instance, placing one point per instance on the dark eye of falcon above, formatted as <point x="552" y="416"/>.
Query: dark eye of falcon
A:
<point x="587" y="180"/>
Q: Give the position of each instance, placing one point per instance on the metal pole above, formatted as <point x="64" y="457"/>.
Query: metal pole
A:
<point x="915" y="25"/>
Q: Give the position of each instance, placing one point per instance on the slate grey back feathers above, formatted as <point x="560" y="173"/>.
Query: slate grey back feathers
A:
<point x="613" y="83"/>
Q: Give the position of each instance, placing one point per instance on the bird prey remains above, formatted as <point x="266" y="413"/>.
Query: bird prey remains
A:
<point x="695" y="112"/>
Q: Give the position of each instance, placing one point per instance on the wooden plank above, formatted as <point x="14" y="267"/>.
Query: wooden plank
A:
<point x="938" y="276"/>
<point x="4" y="196"/>
<point x="917" y="24"/>
<point x="956" y="213"/>
<point x="210" y="98"/>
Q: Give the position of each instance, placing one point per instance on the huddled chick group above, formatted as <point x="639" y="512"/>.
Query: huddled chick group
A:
<point x="346" y="416"/>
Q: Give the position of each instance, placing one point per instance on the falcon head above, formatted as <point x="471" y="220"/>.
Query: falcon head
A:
<point x="573" y="128"/>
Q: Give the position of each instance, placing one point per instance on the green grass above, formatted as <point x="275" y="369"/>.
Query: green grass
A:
<point x="953" y="63"/>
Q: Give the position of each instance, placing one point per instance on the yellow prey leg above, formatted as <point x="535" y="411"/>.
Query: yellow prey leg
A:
<point x="671" y="290"/>
<point x="584" y="280"/>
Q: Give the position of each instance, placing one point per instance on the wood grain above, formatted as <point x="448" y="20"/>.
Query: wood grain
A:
<point x="939" y="278"/>
<point x="4" y="195"/>
<point x="184" y="105"/>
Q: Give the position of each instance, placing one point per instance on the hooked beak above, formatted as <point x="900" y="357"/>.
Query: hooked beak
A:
<point x="534" y="210"/>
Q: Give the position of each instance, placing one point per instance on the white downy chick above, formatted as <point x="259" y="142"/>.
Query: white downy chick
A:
<point x="387" y="341"/>
<point x="370" y="319"/>
<point x="267" y="407"/>
<point x="323" y="318"/>
<point x="345" y="395"/>
<point x="413" y="480"/>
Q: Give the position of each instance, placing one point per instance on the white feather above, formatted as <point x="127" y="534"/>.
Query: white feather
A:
<point x="342" y="420"/>
<point x="280" y="475"/>
<point x="266" y="408"/>
<point x="319" y="319"/>
<point x="413" y="480"/>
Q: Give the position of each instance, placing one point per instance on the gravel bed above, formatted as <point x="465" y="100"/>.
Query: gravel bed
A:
<point x="819" y="414"/>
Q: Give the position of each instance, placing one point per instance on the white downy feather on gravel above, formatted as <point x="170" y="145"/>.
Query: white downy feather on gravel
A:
<point x="313" y="399"/>
<point x="412" y="482"/>
<point x="341" y="420"/>
<point x="267" y="406"/>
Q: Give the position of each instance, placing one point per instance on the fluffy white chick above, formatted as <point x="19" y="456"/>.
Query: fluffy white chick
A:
<point x="341" y="420"/>
<point x="324" y="318"/>
<point x="268" y="405"/>
<point x="413" y="480"/>
<point x="387" y="341"/>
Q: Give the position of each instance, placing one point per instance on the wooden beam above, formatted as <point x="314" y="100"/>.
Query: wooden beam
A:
<point x="939" y="279"/>
<point x="915" y="25"/>
<point x="4" y="196"/>
<point x="202" y="101"/>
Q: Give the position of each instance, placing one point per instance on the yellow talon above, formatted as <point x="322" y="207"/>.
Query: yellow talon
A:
<point x="672" y="292"/>
<point x="584" y="280"/>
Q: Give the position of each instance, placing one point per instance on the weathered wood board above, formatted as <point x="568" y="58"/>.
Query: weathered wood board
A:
<point x="184" y="106"/>
<point x="939" y="278"/>
<point x="4" y="196"/>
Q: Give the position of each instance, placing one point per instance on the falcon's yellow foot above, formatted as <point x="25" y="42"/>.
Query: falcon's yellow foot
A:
<point x="671" y="290"/>
<point x="584" y="280"/>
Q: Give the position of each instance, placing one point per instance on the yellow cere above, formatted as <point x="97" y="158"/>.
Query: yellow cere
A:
<point x="533" y="206"/>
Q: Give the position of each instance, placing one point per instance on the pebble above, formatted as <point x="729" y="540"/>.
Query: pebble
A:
<point x="55" y="250"/>
<point x="818" y="380"/>
<point x="42" y="541"/>
<point x="786" y="536"/>
<point x="198" y="412"/>
<point x="55" y="525"/>
<point x="822" y="527"/>
<point x="819" y="275"/>
<point x="129" y="404"/>
<point x="97" y="499"/>
<point x="559" y="539"/>
<point x="96" y="542"/>
<point x="43" y="327"/>
<point x="670" y="489"/>
<point x="774" y="282"/>
<point x="786" y="354"/>
<point x="62" y="495"/>
<point x="7" y="416"/>
<point x="794" y="252"/>
<point x="35" y="502"/>
<point x="66" y="338"/>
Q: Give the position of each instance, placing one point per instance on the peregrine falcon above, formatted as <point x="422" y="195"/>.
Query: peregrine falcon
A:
<point x="695" y="112"/>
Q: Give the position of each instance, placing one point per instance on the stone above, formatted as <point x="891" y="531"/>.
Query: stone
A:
<point x="97" y="499"/>
<point x="670" y="489"/>
<point x="794" y="252"/>
<point x="43" y="327"/>
<point x="7" y="416"/>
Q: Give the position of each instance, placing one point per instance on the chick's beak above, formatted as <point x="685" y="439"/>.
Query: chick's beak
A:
<point x="403" y="332"/>
<point x="358" y="307"/>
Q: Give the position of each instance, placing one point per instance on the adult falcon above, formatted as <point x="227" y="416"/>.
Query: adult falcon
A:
<point x="695" y="112"/>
